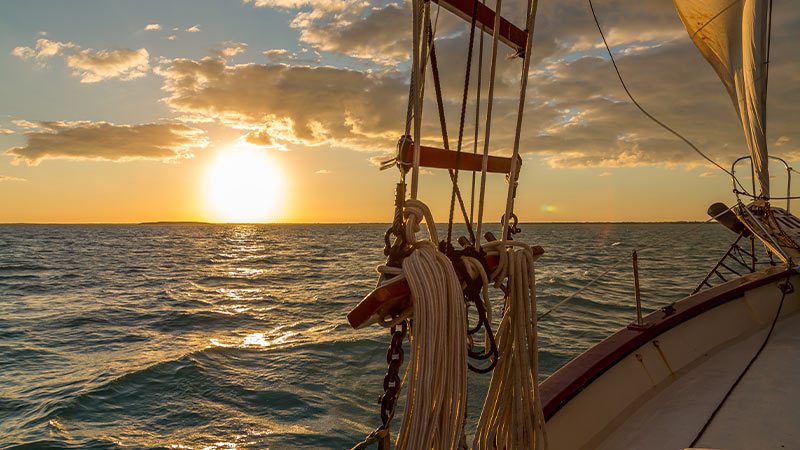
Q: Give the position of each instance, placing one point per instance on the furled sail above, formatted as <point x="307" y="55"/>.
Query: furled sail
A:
<point x="732" y="36"/>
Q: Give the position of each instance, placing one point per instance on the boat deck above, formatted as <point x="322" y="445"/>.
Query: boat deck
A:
<point x="763" y="412"/>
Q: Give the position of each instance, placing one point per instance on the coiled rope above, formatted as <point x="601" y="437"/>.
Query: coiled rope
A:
<point x="437" y="387"/>
<point x="512" y="415"/>
<point x="436" y="399"/>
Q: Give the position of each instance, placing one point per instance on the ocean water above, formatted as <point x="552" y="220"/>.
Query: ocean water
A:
<point x="234" y="336"/>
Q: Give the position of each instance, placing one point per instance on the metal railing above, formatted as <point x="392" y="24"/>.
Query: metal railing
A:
<point x="752" y="173"/>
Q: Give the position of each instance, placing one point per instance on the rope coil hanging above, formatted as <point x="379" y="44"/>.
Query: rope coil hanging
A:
<point x="512" y="416"/>
<point x="439" y="333"/>
<point x="437" y="388"/>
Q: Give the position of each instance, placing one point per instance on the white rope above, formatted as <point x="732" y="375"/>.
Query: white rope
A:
<point x="416" y="81"/>
<point x="512" y="415"/>
<point x="477" y="124"/>
<point x="437" y="391"/>
<point x="437" y="370"/>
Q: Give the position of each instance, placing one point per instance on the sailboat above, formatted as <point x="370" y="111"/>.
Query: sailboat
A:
<point x="717" y="369"/>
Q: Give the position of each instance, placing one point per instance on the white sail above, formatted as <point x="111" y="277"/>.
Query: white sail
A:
<point x="732" y="36"/>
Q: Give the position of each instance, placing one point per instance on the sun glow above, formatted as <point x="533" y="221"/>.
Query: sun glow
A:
<point x="243" y="184"/>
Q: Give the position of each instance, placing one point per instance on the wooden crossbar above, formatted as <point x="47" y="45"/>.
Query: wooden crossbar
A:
<point x="509" y="34"/>
<point x="437" y="158"/>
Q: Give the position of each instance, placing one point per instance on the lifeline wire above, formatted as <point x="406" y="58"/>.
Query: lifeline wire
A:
<point x="614" y="264"/>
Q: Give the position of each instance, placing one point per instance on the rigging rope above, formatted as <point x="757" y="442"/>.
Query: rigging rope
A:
<point x="462" y="120"/>
<point x="488" y="126"/>
<point x="526" y="64"/>
<point x="416" y="81"/>
<point x="446" y="143"/>
<point x="436" y="398"/>
<point x="477" y="127"/>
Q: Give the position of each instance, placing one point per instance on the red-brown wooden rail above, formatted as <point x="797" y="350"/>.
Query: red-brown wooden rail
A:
<point x="437" y="158"/>
<point x="391" y="299"/>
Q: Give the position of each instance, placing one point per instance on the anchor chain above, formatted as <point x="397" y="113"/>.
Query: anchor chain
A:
<point x="391" y="389"/>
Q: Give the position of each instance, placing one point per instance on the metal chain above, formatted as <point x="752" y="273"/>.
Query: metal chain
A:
<point x="391" y="390"/>
<point x="392" y="382"/>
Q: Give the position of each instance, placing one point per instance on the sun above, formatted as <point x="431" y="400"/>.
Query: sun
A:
<point x="244" y="185"/>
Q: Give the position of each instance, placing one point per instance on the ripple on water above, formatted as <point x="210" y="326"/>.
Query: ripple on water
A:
<point x="229" y="337"/>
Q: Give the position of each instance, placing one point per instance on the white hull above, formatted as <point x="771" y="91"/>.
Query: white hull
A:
<point x="656" y="388"/>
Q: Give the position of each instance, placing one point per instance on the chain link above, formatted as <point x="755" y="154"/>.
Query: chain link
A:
<point x="391" y="382"/>
<point x="391" y="389"/>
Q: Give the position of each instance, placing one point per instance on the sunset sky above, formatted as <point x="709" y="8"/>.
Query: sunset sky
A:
<point x="278" y="110"/>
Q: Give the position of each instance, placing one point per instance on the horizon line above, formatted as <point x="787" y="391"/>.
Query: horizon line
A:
<point x="201" y="223"/>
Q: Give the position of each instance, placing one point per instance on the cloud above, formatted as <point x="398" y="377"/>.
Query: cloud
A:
<point x="382" y="35"/>
<point x="107" y="142"/>
<point x="289" y="104"/>
<point x="6" y="131"/>
<point x="125" y="64"/>
<point x="322" y="172"/>
<point x="379" y="32"/>
<point x="604" y="174"/>
<point x="283" y="56"/>
<point x="229" y="49"/>
<point x="315" y="5"/>
<point x="193" y="29"/>
<point x="10" y="178"/>
<point x="90" y="65"/>
<point x="23" y="52"/>
<point x="152" y="27"/>
<point x="707" y="174"/>
<point x="44" y="48"/>
<point x="172" y="37"/>
<point x="26" y="124"/>
<point x="577" y="115"/>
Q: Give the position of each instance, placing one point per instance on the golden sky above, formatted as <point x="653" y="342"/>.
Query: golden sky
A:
<point x="277" y="110"/>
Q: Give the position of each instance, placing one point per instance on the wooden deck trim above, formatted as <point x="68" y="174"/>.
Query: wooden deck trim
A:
<point x="567" y="382"/>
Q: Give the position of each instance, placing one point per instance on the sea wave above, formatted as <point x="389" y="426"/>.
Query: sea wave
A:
<point x="231" y="337"/>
